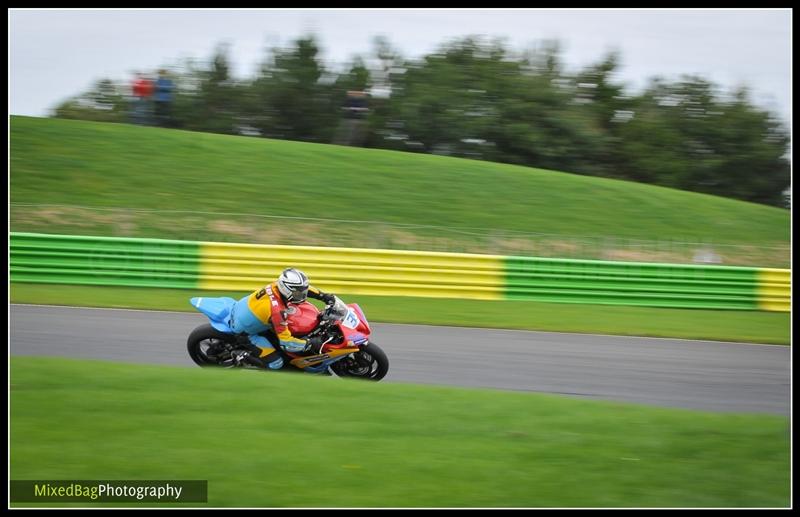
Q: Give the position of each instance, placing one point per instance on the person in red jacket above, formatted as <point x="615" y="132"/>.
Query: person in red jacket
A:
<point x="142" y="99"/>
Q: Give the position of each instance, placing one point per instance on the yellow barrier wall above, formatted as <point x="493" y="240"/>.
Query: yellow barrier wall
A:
<point x="246" y="267"/>
<point x="774" y="289"/>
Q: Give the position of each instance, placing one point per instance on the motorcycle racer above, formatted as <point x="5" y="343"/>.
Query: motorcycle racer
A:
<point x="269" y="307"/>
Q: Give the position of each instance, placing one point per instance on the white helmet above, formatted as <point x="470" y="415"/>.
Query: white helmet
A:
<point x="293" y="285"/>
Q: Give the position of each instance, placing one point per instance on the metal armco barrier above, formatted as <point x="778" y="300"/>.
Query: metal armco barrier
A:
<point x="356" y="271"/>
<point x="631" y="283"/>
<point x="775" y="289"/>
<point x="70" y="259"/>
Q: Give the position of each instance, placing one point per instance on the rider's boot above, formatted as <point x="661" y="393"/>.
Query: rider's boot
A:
<point x="272" y="360"/>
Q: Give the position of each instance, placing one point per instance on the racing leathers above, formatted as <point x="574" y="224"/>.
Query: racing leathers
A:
<point x="264" y="309"/>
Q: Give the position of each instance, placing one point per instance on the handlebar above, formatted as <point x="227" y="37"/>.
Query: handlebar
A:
<point x="335" y="310"/>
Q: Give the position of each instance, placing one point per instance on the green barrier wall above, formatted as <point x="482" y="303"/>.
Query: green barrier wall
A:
<point x="631" y="283"/>
<point x="66" y="259"/>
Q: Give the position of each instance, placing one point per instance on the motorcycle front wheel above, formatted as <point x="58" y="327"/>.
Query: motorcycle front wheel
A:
<point x="368" y="363"/>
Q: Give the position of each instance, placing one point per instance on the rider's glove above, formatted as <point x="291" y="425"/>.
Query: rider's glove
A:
<point x="314" y="344"/>
<point x="329" y="299"/>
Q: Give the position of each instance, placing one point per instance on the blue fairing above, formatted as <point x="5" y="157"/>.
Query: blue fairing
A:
<point x="218" y="311"/>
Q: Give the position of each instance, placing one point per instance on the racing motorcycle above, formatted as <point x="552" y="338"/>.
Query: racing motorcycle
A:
<point x="346" y="350"/>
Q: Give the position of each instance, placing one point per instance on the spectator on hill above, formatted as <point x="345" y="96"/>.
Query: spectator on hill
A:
<point x="352" y="129"/>
<point x="142" y="95"/>
<point x="163" y="99"/>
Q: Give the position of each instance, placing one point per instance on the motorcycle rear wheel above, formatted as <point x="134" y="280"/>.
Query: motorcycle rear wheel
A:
<point x="202" y="343"/>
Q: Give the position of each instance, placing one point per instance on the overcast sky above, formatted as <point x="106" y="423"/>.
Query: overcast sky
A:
<point x="55" y="54"/>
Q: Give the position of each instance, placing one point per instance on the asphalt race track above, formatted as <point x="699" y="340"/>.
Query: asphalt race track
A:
<point x="705" y="375"/>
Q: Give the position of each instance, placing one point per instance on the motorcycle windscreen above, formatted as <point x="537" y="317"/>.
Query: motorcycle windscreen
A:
<point x="218" y="311"/>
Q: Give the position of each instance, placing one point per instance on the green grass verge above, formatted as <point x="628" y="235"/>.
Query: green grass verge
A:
<point x="69" y="162"/>
<point x="719" y="325"/>
<point x="335" y="443"/>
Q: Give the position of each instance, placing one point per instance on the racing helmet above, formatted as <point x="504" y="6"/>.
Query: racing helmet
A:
<point x="293" y="285"/>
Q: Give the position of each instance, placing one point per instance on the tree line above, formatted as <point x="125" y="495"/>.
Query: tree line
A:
<point x="479" y="99"/>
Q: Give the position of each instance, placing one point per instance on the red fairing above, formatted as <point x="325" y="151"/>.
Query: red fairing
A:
<point x="303" y="319"/>
<point x="363" y="325"/>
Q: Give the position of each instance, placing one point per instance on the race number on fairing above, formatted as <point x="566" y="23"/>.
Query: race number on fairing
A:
<point x="351" y="320"/>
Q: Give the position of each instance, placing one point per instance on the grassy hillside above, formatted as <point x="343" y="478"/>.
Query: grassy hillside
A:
<point x="339" y="443"/>
<point x="61" y="162"/>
